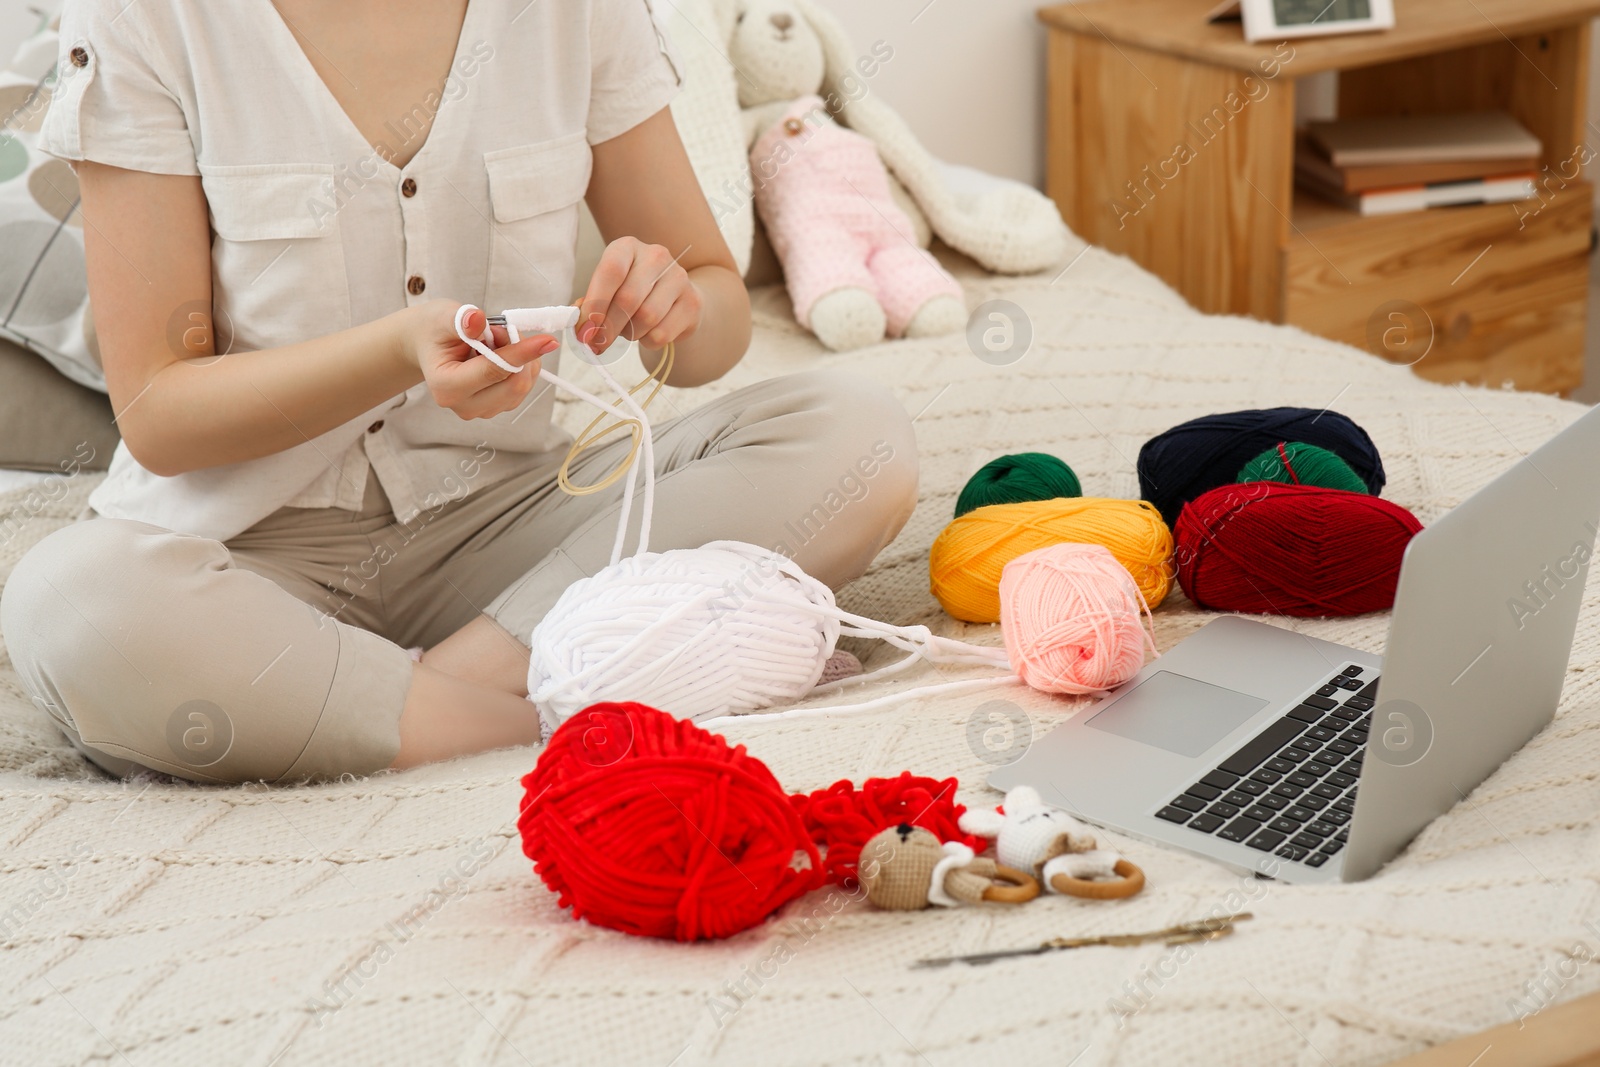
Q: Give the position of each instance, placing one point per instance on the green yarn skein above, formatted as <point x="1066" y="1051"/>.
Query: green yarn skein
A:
<point x="1015" y="479"/>
<point x="1306" y="465"/>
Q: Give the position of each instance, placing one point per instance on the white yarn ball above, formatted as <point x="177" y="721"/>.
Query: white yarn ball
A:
<point x="697" y="632"/>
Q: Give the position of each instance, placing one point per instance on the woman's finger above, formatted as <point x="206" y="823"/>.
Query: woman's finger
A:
<point x="652" y="268"/>
<point x="501" y="397"/>
<point x="474" y="322"/>
<point x="657" y="304"/>
<point x="653" y="271"/>
<point x="455" y="381"/>
<point x="473" y="325"/>
<point x="679" y="323"/>
<point x="609" y="274"/>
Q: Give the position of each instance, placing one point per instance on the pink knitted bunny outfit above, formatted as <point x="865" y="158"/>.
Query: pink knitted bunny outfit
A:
<point x="824" y="197"/>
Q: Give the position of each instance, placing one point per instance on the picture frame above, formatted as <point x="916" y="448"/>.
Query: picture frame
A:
<point x="1277" y="20"/>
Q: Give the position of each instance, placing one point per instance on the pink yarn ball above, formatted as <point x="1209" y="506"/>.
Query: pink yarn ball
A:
<point x="1071" y="618"/>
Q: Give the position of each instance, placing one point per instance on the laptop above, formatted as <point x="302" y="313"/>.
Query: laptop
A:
<point x="1307" y="761"/>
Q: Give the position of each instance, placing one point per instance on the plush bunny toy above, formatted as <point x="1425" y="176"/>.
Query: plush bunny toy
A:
<point x="841" y="185"/>
<point x="1056" y="848"/>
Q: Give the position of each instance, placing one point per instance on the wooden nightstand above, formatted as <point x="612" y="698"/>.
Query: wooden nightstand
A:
<point x="1171" y="140"/>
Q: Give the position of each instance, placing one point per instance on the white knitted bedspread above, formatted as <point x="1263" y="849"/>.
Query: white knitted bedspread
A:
<point x="394" y="919"/>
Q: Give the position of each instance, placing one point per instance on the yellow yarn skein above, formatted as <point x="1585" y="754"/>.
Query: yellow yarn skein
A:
<point x="967" y="557"/>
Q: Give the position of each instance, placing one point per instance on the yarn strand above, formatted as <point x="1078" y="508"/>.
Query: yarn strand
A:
<point x="591" y="436"/>
<point x="960" y="685"/>
<point x="647" y="440"/>
<point x="921" y="642"/>
<point x="634" y="417"/>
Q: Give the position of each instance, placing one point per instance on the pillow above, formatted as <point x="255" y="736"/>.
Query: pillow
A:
<point x="48" y="423"/>
<point x="706" y="111"/>
<point x="44" y="295"/>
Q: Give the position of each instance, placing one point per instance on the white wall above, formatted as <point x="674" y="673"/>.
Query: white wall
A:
<point x="18" y="19"/>
<point x="1593" y="173"/>
<point x="968" y="75"/>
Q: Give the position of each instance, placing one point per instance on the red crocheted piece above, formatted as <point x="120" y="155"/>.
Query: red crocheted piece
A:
<point x="845" y="818"/>
<point x="647" y="824"/>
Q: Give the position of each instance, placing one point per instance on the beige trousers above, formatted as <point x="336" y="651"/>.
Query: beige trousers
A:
<point x="280" y="654"/>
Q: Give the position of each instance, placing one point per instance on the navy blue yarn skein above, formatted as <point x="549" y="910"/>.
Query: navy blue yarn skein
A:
<point x="1201" y="454"/>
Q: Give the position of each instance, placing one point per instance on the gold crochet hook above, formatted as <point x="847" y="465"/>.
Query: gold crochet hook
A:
<point x="1183" y="934"/>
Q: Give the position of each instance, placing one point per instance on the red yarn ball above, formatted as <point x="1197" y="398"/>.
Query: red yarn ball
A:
<point x="647" y="824"/>
<point x="847" y="818"/>
<point x="1277" y="549"/>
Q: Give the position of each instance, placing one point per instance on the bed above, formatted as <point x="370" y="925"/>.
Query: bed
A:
<point x="394" y="919"/>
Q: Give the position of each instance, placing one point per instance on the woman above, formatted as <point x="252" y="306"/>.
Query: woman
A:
<point x="338" y="478"/>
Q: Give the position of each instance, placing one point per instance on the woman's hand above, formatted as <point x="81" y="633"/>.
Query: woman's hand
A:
<point x="639" y="292"/>
<point x="458" y="377"/>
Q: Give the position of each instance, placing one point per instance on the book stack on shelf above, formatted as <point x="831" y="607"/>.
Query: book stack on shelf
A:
<point x="1384" y="165"/>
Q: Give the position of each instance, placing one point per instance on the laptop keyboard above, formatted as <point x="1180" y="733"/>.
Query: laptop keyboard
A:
<point x="1291" y="790"/>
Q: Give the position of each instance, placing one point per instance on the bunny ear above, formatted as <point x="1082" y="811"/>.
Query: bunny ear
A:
<point x="727" y="14"/>
<point x="839" y="57"/>
<point x="1023" y="798"/>
<point x="981" y="821"/>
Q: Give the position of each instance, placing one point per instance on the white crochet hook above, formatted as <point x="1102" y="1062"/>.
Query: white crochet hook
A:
<point x="517" y="321"/>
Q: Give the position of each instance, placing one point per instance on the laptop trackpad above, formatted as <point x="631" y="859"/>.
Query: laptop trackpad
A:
<point x="1177" y="713"/>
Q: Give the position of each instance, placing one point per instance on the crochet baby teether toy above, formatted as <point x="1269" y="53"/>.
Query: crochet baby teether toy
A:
<point x="1062" y="852"/>
<point x="905" y="868"/>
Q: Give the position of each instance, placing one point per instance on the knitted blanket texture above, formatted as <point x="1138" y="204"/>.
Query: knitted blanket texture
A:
<point x="394" y="920"/>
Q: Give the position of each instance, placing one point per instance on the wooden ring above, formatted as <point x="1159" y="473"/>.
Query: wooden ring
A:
<point x="1023" y="886"/>
<point x="1131" y="880"/>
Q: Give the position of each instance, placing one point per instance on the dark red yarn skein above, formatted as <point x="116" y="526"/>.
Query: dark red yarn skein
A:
<point x="647" y="824"/>
<point x="1278" y="549"/>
